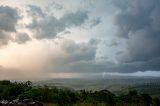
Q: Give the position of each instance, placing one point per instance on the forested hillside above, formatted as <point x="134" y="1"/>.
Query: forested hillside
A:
<point x="67" y="97"/>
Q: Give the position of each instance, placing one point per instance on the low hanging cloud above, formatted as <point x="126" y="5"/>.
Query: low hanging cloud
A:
<point x="49" y="26"/>
<point x="139" y="24"/>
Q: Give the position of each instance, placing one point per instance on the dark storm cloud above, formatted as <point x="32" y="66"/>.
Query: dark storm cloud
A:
<point x="139" y="24"/>
<point x="8" y="22"/>
<point x="22" y="38"/>
<point x="49" y="26"/>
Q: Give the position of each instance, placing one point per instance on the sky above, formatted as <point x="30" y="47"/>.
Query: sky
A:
<point x="41" y="39"/>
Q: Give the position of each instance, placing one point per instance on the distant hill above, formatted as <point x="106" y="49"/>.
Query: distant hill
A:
<point x="115" y="84"/>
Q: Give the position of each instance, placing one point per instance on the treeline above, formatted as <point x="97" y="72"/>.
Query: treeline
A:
<point x="67" y="97"/>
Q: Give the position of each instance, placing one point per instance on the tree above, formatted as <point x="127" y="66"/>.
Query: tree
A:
<point x="147" y="100"/>
<point x="156" y="101"/>
<point x="28" y="84"/>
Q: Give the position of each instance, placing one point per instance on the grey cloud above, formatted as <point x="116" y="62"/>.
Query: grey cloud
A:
<point x="132" y="20"/>
<point x="137" y="22"/>
<point x="92" y="66"/>
<point x="75" y="54"/>
<point x="74" y="19"/>
<point x="66" y="32"/>
<point x="112" y="43"/>
<point x="139" y="25"/>
<point x="54" y="5"/>
<point x="155" y="16"/>
<point x="81" y="58"/>
<point x="22" y="38"/>
<point x="79" y="51"/>
<point x="95" y="22"/>
<point x="120" y="4"/>
<point x="94" y="41"/>
<point x="50" y="26"/>
<point x="144" y="45"/>
<point x="152" y="65"/>
<point x="35" y="11"/>
<point x="4" y="38"/>
<point x="9" y="18"/>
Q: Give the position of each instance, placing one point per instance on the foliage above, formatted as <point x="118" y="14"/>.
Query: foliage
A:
<point x="66" y="97"/>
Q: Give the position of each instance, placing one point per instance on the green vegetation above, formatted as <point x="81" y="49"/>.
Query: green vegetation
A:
<point x="53" y="96"/>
